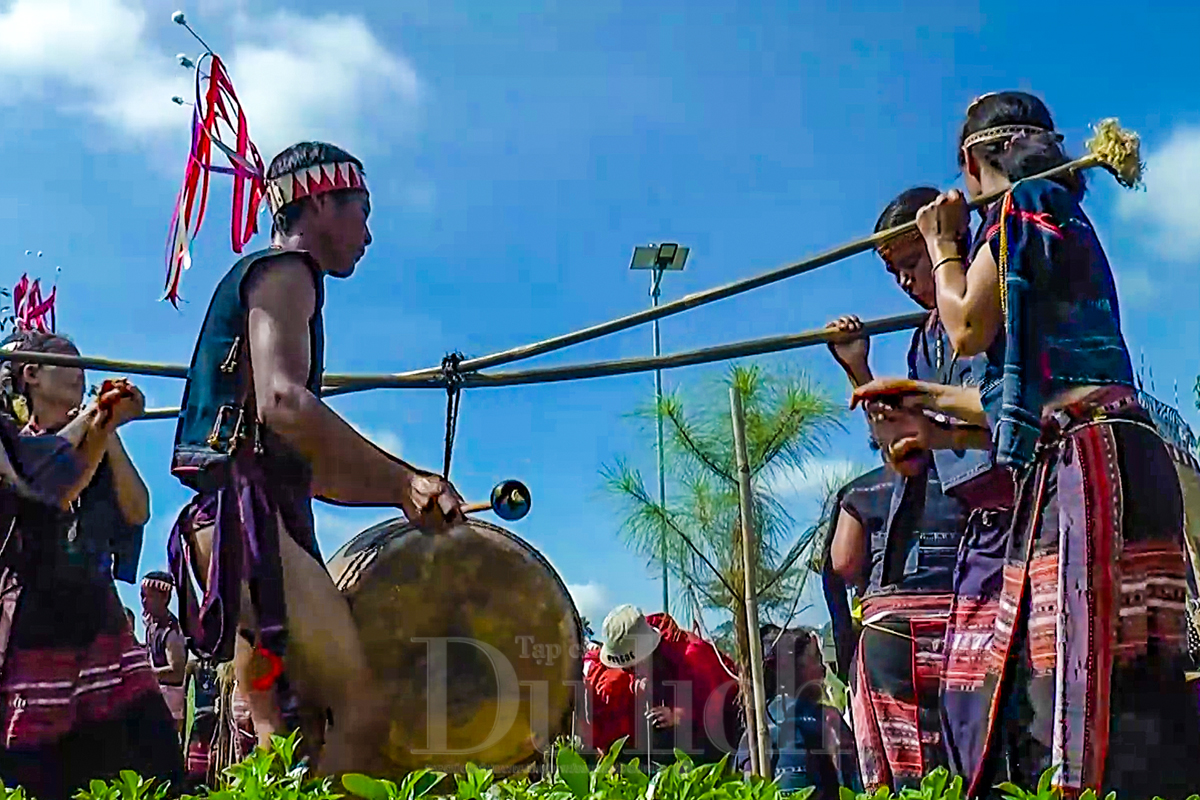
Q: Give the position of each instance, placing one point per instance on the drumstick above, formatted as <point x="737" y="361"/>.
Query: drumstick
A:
<point x="510" y="501"/>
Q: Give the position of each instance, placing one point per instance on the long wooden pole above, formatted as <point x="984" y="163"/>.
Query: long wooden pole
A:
<point x="336" y="385"/>
<point x="707" y="296"/>
<point x="746" y="500"/>
<point x="428" y="376"/>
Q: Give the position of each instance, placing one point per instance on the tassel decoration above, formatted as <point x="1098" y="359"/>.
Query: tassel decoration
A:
<point x="216" y="105"/>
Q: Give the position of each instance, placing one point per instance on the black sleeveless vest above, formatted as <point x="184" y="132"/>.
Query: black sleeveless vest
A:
<point x="916" y="549"/>
<point x="156" y="639"/>
<point x="217" y="418"/>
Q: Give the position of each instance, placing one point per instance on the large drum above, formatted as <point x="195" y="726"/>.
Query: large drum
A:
<point x="474" y="638"/>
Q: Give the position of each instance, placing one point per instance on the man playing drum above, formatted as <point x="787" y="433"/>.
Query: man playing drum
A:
<point x="257" y="444"/>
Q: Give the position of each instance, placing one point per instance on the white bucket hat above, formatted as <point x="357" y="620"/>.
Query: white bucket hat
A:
<point x="628" y="638"/>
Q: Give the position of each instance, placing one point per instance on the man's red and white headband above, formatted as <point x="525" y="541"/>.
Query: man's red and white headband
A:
<point x="157" y="583"/>
<point x="312" y="181"/>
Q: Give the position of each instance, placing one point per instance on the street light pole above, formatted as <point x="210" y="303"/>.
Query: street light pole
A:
<point x="658" y="259"/>
<point x="662" y="478"/>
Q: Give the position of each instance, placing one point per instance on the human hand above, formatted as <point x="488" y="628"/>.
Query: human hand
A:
<point x="664" y="717"/>
<point x="853" y="353"/>
<point x="119" y="402"/>
<point x="431" y="502"/>
<point x="895" y="392"/>
<point x="945" y="219"/>
<point x="904" y="434"/>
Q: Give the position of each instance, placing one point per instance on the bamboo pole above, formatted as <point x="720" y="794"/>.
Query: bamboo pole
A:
<point x="746" y="685"/>
<point x="147" y="368"/>
<point x="337" y="384"/>
<point x="602" y="369"/>
<point x="745" y="499"/>
<point x="599" y="369"/>
<point x="1111" y="148"/>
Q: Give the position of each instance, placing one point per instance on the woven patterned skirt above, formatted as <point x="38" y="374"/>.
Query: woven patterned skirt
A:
<point x="1070" y="650"/>
<point x="895" y="689"/>
<point x="79" y="698"/>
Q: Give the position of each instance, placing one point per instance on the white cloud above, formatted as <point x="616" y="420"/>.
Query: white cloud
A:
<point x="1165" y="215"/>
<point x="389" y="440"/>
<point x="591" y="600"/>
<point x="91" y="56"/>
<point x="298" y="77"/>
<point x="319" y="78"/>
<point x="1135" y="286"/>
<point x="336" y="525"/>
<point x="809" y="483"/>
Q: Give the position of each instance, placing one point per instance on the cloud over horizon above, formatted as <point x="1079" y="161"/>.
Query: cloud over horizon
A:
<point x="810" y="482"/>
<point x="298" y="77"/>
<point x="1165" y="215"/>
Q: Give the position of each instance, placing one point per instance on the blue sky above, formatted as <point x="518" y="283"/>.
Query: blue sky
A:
<point x="518" y="151"/>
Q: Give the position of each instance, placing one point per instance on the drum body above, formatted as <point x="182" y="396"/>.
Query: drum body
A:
<point x="473" y="638"/>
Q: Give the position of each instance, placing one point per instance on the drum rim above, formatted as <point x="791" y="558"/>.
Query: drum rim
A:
<point x="353" y="562"/>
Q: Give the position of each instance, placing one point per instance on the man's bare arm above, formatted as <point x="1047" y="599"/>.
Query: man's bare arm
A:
<point x="347" y="468"/>
<point x="175" y="670"/>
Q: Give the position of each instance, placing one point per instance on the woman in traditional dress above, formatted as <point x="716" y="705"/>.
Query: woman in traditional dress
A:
<point x="80" y="701"/>
<point x="902" y="555"/>
<point x="1084" y="667"/>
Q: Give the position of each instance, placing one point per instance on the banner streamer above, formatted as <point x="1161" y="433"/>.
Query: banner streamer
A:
<point x="217" y="106"/>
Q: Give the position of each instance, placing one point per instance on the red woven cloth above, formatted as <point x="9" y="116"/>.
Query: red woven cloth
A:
<point x="52" y="690"/>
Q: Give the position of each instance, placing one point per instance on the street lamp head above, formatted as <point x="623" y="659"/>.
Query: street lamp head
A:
<point x="660" y="257"/>
<point x="178" y="18"/>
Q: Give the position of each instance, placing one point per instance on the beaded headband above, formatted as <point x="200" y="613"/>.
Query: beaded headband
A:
<point x="1004" y="132"/>
<point x="312" y="181"/>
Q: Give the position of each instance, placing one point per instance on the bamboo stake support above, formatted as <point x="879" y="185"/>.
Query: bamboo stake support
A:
<point x="746" y="500"/>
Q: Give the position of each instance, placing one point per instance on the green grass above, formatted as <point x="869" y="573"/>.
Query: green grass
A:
<point x="275" y="774"/>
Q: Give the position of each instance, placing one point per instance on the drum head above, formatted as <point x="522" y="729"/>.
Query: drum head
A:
<point x="508" y="675"/>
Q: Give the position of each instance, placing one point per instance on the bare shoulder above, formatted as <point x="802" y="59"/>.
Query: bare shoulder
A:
<point x="282" y="282"/>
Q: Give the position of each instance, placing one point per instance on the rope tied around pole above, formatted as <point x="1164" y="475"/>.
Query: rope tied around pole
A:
<point x="454" y="380"/>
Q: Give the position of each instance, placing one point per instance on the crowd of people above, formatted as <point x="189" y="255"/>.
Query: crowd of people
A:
<point x="81" y="699"/>
<point x="1010" y="589"/>
<point x="1018" y="559"/>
